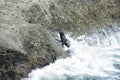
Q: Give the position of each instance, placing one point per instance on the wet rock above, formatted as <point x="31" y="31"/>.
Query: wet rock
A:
<point x="14" y="64"/>
<point x="9" y="61"/>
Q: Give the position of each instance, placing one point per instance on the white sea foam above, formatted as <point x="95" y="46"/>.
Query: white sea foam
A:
<point x="84" y="60"/>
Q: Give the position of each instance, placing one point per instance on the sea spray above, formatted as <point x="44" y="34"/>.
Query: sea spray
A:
<point x="86" y="62"/>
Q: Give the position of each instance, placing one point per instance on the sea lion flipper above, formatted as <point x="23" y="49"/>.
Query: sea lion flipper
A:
<point x="58" y="40"/>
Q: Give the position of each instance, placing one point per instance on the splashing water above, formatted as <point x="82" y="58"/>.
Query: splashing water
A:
<point x="87" y="62"/>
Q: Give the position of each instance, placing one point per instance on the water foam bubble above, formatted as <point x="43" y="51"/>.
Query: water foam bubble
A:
<point x="84" y="60"/>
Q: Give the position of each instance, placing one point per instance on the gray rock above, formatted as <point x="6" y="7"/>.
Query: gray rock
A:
<point x="30" y="26"/>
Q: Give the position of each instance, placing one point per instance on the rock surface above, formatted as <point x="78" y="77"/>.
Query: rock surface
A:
<point x="28" y="30"/>
<point x="77" y="16"/>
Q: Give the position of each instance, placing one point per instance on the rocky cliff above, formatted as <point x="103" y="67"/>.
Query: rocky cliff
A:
<point x="28" y="29"/>
<point x="73" y="15"/>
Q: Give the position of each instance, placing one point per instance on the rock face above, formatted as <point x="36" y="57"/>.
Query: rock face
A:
<point x="24" y="46"/>
<point x="79" y="16"/>
<point x="12" y="62"/>
<point x="28" y="29"/>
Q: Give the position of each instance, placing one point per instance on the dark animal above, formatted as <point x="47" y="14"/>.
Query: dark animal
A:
<point x="64" y="40"/>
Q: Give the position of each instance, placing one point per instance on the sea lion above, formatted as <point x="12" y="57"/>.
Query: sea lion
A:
<point x="64" y="40"/>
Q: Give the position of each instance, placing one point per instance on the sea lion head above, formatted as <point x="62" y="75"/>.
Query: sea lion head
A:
<point x="61" y="33"/>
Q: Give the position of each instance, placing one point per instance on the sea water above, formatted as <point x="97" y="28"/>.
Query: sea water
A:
<point x="91" y="58"/>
